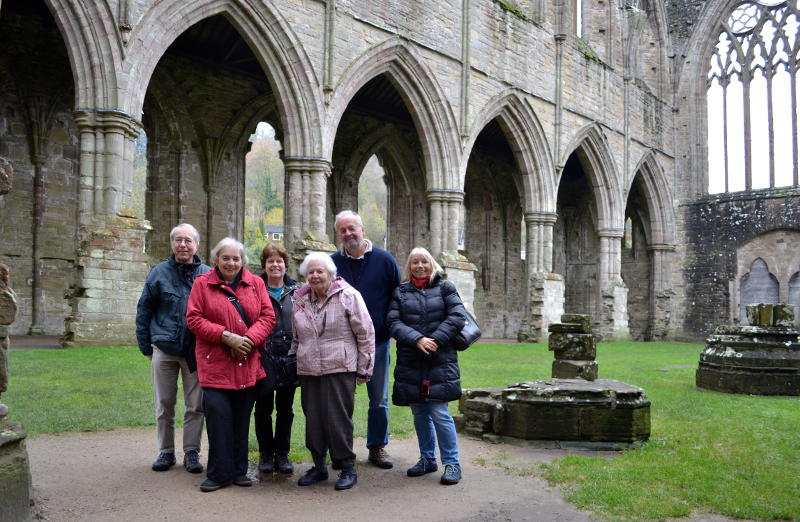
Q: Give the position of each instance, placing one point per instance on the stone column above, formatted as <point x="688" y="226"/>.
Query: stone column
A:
<point x="110" y="260"/>
<point x="660" y="313"/>
<point x="545" y="292"/>
<point x="436" y="200"/>
<point x="612" y="305"/>
<point x="305" y="204"/>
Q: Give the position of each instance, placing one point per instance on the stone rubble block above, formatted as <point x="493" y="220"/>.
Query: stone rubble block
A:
<point x="573" y="346"/>
<point x="584" y="320"/>
<point x="575" y="370"/>
<point x="783" y="315"/>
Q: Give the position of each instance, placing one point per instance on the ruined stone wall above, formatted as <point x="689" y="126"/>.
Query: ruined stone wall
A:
<point x="710" y="263"/>
<point x="636" y="266"/>
<point x="493" y="244"/>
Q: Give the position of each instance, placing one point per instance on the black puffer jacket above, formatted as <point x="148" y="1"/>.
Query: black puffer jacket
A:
<point x="280" y="338"/>
<point x="436" y="312"/>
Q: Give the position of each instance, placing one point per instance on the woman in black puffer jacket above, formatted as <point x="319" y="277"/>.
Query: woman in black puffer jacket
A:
<point x="424" y="315"/>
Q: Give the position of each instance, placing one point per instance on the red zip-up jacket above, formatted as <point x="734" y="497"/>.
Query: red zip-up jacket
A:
<point x="209" y="313"/>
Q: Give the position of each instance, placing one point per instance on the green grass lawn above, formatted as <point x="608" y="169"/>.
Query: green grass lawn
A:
<point x="735" y="455"/>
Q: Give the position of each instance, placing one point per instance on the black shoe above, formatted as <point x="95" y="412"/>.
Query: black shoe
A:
<point x="283" y="464"/>
<point x="452" y="474"/>
<point x="380" y="458"/>
<point x="347" y="479"/>
<point x="191" y="461"/>
<point x="164" y="461"/>
<point x="210" y="485"/>
<point x="422" y="467"/>
<point x="312" y="476"/>
<point x="243" y="480"/>
<point x="336" y="464"/>
<point x="265" y="463"/>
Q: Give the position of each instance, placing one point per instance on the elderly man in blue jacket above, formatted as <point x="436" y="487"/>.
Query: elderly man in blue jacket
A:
<point x="165" y="339"/>
<point x="373" y="272"/>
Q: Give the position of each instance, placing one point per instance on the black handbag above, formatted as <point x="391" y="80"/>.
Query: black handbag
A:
<point x="281" y="369"/>
<point x="470" y="333"/>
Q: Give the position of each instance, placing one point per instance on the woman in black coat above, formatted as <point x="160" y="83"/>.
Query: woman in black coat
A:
<point x="424" y="315"/>
<point x="274" y="448"/>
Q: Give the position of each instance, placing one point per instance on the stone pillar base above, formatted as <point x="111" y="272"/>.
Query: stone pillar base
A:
<point x="461" y="272"/>
<point x="612" y="318"/>
<point x="302" y="247"/>
<point x="112" y="267"/>
<point x="15" y="473"/>
<point x="545" y="306"/>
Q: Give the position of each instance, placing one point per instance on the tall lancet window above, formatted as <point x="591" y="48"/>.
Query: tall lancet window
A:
<point x="752" y="98"/>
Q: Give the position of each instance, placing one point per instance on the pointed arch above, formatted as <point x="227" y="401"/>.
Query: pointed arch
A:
<point x="591" y="146"/>
<point x="658" y="194"/>
<point x="424" y="99"/>
<point x="94" y="59"/>
<point x="286" y="66"/>
<point x="529" y="144"/>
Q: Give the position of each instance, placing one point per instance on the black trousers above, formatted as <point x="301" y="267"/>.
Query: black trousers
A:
<point x="282" y="401"/>
<point x="228" y="427"/>
<point x="328" y="403"/>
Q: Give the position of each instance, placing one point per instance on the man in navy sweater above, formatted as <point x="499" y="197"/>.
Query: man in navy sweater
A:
<point x="373" y="272"/>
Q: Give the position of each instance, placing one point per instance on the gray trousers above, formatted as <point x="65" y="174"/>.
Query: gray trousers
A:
<point x="328" y="406"/>
<point x="166" y="368"/>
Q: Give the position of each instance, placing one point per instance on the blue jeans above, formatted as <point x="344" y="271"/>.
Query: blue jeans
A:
<point x="378" y="392"/>
<point x="432" y="421"/>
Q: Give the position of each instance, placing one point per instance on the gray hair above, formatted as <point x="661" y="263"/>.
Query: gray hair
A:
<point x="185" y="225"/>
<point x="226" y="242"/>
<point x="318" y="256"/>
<point x="347" y="213"/>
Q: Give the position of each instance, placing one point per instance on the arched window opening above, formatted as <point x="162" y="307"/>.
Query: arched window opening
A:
<point x="373" y="203"/>
<point x="758" y="286"/>
<point x="263" y="196"/>
<point x="139" y="188"/>
<point x="578" y="18"/>
<point x="752" y="98"/>
<point x="629" y="234"/>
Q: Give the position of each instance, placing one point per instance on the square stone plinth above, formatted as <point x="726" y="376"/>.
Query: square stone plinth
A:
<point x="575" y="410"/>
<point x="575" y="370"/>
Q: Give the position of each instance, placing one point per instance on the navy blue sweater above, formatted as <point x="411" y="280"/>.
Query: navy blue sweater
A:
<point x="376" y="276"/>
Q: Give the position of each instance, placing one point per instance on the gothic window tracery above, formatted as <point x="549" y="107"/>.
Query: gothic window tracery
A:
<point x="752" y="98"/>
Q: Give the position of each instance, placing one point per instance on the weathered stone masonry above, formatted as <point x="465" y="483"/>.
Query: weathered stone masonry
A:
<point x="481" y="116"/>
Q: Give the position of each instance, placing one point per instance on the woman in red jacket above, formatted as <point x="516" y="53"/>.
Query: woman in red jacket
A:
<point x="228" y="363"/>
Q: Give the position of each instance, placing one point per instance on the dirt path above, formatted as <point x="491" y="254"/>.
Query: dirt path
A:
<point x="106" y="476"/>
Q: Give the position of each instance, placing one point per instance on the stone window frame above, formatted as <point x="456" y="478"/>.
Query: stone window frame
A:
<point x="742" y="53"/>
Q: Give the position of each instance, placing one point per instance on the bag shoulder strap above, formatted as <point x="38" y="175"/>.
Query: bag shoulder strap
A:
<point x="236" y="304"/>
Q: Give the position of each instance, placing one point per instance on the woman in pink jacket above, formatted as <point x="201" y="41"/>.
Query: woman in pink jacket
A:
<point x="230" y="313"/>
<point x="335" y="344"/>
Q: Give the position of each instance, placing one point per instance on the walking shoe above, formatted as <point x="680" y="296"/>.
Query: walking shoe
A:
<point x="452" y="474"/>
<point x="347" y="479"/>
<point x="312" y="476"/>
<point x="191" y="461"/>
<point x="243" y="480"/>
<point x="210" y="485"/>
<point x="283" y="464"/>
<point x="423" y="466"/>
<point x="164" y="461"/>
<point x="265" y="463"/>
<point x="380" y="458"/>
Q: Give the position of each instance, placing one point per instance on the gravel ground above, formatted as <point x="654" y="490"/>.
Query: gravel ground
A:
<point x="106" y="476"/>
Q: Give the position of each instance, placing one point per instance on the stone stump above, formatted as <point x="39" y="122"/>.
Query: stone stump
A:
<point x="574" y="347"/>
<point x="762" y="358"/>
<point x="15" y="475"/>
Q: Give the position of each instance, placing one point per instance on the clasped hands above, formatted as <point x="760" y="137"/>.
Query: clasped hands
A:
<point x="240" y="345"/>
<point x="427" y="345"/>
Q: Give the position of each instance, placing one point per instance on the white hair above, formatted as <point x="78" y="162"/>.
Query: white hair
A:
<point x="185" y="225"/>
<point x="226" y="242"/>
<point x="347" y="213"/>
<point x="327" y="262"/>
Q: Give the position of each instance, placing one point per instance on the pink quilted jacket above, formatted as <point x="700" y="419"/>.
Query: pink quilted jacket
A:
<point x="340" y="339"/>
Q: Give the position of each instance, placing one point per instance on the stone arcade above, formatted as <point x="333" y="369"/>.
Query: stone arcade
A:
<point x="558" y="159"/>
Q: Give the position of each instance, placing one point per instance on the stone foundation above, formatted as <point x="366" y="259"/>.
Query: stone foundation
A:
<point x="558" y="409"/>
<point x="15" y="476"/>
<point x="760" y="359"/>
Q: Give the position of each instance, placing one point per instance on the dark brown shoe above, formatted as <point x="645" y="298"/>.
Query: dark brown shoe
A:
<point x="380" y="458"/>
